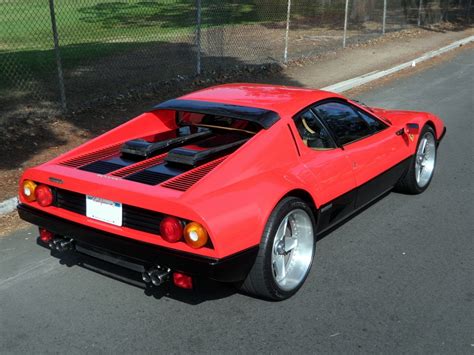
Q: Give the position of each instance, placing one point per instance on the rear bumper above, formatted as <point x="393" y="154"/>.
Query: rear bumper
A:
<point x="233" y="268"/>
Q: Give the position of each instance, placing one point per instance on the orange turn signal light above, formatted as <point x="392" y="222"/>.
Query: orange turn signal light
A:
<point x="195" y="235"/>
<point x="28" y="190"/>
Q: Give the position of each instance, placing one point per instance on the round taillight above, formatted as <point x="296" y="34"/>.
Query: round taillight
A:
<point x="195" y="235"/>
<point x="44" y="195"/>
<point x="171" y="229"/>
<point x="28" y="190"/>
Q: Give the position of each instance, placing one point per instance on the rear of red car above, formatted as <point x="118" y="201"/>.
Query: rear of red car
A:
<point x="180" y="192"/>
<point x="118" y="200"/>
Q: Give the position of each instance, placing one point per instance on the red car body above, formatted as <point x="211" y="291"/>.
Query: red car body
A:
<point x="233" y="195"/>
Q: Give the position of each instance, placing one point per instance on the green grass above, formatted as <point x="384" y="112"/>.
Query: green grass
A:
<point x="25" y="24"/>
<point x="93" y="29"/>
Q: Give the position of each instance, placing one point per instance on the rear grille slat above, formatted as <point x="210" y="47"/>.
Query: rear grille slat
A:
<point x="149" y="222"/>
<point x="149" y="228"/>
<point x="148" y="177"/>
<point x="71" y="204"/>
<point x="141" y="219"/>
<point x="70" y="198"/>
<point x="133" y="217"/>
<point x="142" y="224"/>
<point x="90" y="157"/>
<point x="71" y="201"/>
<point x="185" y="181"/>
<point x="143" y="214"/>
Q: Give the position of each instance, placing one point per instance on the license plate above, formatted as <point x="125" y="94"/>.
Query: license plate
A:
<point x="104" y="210"/>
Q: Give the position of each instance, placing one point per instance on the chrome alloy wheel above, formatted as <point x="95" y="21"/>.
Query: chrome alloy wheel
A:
<point x="292" y="251"/>
<point x="425" y="159"/>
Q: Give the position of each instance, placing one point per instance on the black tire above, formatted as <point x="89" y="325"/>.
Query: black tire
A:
<point x="260" y="281"/>
<point x="408" y="184"/>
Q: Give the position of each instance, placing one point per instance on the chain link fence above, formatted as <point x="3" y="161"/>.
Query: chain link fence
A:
<point x="62" y="53"/>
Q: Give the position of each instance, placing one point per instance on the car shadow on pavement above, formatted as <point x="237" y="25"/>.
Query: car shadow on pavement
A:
<point x="203" y="289"/>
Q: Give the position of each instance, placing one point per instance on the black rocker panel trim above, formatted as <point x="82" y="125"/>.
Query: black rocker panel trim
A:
<point x="336" y="210"/>
<point x="377" y="186"/>
<point x="350" y="202"/>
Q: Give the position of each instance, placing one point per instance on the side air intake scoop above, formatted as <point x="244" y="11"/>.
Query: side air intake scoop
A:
<point x="143" y="149"/>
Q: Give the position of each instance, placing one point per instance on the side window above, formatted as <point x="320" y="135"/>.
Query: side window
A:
<point x="313" y="133"/>
<point x="345" y="123"/>
<point x="374" y="124"/>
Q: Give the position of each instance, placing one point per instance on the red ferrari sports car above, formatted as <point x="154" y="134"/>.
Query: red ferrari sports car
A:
<point x="232" y="183"/>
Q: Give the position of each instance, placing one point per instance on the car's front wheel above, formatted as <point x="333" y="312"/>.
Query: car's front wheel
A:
<point x="422" y="166"/>
<point x="286" y="252"/>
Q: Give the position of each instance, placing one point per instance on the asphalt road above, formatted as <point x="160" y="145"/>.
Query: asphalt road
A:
<point x="396" y="278"/>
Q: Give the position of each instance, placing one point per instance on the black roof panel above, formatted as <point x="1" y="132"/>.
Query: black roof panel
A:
<point x="265" y="118"/>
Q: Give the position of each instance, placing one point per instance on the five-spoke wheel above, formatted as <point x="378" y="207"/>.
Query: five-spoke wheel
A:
<point x="286" y="251"/>
<point x="421" y="169"/>
<point x="425" y="159"/>
<point x="292" y="250"/>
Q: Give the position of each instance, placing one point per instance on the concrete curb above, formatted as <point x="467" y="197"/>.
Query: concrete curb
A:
<point x="367" y="78"/>
<point x="9" y="205"/>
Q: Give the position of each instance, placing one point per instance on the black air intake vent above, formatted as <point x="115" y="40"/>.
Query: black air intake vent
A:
<point x="185" y="181"/>
<point x="101" y="167"/>
<point x="149" y="177"/>
<point x="90" y="157"/>
<point x="71" y="201"/>
<point x="141" y="219"/>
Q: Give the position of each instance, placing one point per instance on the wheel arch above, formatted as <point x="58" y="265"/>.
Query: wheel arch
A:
<point x="303" y="195"/>
<point x="432" y="125"/>
<point x="261" y="281"/>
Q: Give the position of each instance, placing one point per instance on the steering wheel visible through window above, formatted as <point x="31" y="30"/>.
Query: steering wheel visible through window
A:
<point x="313" y="133"/>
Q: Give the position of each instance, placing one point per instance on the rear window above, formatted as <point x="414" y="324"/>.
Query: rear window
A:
<point x="212" y="121"/>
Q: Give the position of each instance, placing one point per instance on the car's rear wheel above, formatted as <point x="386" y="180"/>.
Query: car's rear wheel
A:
<point x="422" y="166"/>
<point x="286" y="252"/>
